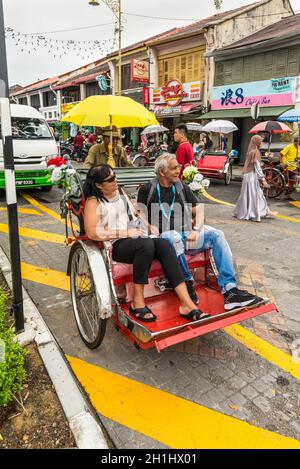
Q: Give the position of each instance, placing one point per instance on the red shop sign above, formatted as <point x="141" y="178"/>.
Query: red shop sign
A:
<point x="173" y="92"/>
<point x="146" y="95"/>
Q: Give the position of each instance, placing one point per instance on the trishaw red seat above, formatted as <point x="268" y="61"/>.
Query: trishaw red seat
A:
<point x="122" y="273"/>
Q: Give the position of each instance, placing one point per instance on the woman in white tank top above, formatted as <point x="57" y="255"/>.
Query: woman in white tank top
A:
<point x="109" y="216"/>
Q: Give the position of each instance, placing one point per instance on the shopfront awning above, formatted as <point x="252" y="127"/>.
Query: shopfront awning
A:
<point x="175" y="111"/>
<point x="244" y="113"/>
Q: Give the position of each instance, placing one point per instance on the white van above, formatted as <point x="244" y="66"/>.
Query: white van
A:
<point x="33" y="143"/>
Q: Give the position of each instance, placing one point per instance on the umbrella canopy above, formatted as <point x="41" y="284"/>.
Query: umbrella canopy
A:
<point x="272" y="127"/>
<point x="194" y="127"/>
<point x="220" y="126"/>
<point x="109" y="110"/>
<point x="293" y="115"/>
<point x="154" y="129"/>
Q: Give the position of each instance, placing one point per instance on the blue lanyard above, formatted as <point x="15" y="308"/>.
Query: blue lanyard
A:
<point x="167" y="216"/>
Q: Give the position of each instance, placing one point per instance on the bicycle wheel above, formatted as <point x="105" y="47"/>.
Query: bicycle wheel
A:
<point x="276" y="182"/>
<point x="228" y="176"/>
<point x="84" y="299"/>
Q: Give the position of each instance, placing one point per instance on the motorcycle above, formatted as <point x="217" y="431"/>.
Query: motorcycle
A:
<point x="148" y="156"/>
<point x="67" y="149"/>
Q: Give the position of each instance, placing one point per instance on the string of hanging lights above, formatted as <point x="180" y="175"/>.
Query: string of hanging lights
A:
<point x="31" y="43"/>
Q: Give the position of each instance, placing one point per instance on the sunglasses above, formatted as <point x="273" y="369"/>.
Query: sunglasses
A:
<point x="111" y="179"/>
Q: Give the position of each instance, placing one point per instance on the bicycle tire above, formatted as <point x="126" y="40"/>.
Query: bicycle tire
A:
<point x="228" y="176"/>
<point x="85" y="301"/>
<point x="276" y="181"/>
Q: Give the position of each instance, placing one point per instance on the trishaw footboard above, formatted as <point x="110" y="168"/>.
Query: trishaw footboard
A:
<point x="213" y="324"/>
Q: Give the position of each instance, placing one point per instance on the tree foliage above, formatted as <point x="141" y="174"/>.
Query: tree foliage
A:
<point x="218" y="4"/>
<point x="12" y="364"/>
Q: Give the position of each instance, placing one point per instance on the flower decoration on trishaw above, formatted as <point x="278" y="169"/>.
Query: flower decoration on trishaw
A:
<point x="194" y="179"/>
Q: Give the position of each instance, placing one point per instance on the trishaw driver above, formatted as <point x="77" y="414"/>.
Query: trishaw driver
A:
<point x="99" y="153"/>
<point x="156" y="203"/>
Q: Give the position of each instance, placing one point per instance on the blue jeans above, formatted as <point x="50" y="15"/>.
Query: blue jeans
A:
<point x="209" y="238"/>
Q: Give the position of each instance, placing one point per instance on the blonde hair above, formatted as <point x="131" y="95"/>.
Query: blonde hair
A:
<point x="253" y="153"/>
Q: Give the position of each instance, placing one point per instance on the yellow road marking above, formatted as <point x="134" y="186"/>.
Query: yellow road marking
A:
<point x="173" y="421"/>
<point x="296" y="203"/>
<point x="36" y="234"/>
<point x="28" y="211"/>
<point x="47" y="210"/>
<point x="210" y="197"/>
<point x="49" y="277"/>
<point x="264" y="349"/>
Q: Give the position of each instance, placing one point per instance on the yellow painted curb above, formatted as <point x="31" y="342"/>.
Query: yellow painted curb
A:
<point x="173" y="421"/>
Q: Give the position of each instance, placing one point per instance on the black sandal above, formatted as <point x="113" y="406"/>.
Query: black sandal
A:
<point x="195" y="315"/>
<point x="140" y="314"/>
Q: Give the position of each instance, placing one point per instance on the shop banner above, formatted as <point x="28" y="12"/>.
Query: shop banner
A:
<point x="140" y="71"/>
<point x="171" y="110"/>
<point x="67" y="107"/>
<point x="175" y="92"/>
<point x="276" y="92"/>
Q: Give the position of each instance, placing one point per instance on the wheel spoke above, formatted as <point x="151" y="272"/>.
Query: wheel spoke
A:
<point x="84" y="297"/>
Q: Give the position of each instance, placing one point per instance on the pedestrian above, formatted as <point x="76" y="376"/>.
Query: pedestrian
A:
<point x="78" y="143"/>
<point x="207" y="141"/>
<point x="223" y="142"/>
<point x="288" y="159"/>
<point x="252" y="204"/>
<point x="99" y="153"/>
<point x="184" y="152"/>
<point x="91" y="139"/>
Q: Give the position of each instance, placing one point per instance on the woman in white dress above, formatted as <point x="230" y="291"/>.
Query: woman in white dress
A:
<point x="252" y="204"/>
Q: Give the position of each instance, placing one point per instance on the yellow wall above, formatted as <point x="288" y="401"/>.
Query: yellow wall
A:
<point x="187" y="66"/>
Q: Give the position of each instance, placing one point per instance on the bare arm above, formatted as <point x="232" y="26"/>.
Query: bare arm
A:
<point x="198" y="216"/>
<point x="96" y="231"/>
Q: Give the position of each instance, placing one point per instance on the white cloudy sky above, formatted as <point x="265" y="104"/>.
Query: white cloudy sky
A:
<point x="40" y="16"/>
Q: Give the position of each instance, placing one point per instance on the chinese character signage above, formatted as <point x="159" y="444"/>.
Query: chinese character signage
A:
<point x="276" y="92"/>
<point x="175" y="92"/>
<point x="140" y="71"/>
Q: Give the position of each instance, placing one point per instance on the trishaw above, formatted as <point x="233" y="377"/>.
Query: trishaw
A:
<point x="102" y="289"/>
<point x="216" y="165"/>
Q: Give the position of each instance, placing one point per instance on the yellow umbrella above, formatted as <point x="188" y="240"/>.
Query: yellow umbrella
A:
<point x="109" y="110"/>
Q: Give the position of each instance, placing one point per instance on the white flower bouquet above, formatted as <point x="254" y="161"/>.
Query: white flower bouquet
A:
<point x="195" y="180"/>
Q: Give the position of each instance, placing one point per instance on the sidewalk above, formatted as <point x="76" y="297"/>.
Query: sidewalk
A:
<point x="81" y="417"/>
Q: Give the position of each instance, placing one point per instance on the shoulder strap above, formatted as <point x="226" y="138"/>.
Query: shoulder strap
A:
<point x="180" y="191"/>
<point x="126" y="203"/>
<point x="152" y="190"/>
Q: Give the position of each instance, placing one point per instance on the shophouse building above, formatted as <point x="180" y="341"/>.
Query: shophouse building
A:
<point x="263" y="68"/>
<point x="40" y="95"/>
<point x="182" y="67"/>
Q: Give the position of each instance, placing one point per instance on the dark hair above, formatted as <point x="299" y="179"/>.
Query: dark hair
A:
<point x="95" y="176"/>
<point x="182" y="128"/>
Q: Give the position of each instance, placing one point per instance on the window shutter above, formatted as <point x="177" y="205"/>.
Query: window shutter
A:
<point x="219" y="75"/>
<point x="160" y="73"/>
<point x="293" y="61"/>
<point x="281" y="63"/>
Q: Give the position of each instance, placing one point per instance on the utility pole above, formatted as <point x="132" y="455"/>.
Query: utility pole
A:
<point x="10" y="186"/>
<point x="120" y="49"/>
